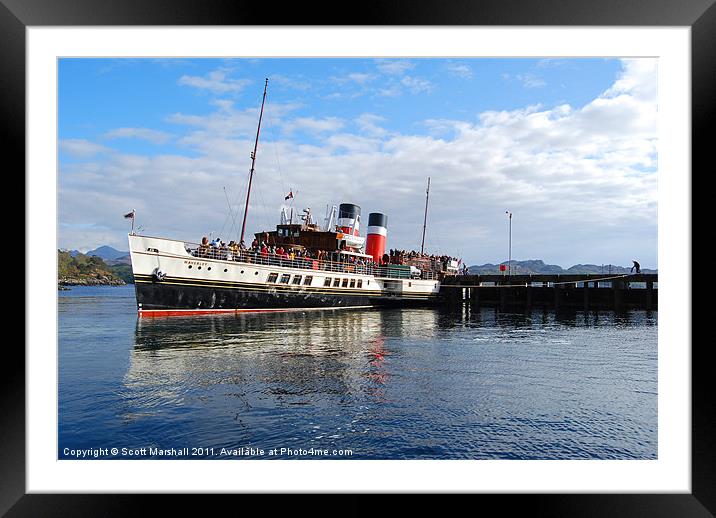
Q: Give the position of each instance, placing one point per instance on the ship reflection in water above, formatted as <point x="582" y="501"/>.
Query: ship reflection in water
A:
<point x="278" y="359"/>
<point x="401" y="383"/>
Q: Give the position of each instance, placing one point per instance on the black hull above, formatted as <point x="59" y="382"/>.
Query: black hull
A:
<point x="156" y="296"/>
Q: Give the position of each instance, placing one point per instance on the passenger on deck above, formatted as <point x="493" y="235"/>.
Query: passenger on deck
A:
<point x="232" y="249"/>
<point x="203" y="247"/>
<point x="214" y="248"/>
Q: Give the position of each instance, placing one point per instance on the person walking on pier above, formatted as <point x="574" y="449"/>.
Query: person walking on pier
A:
<point x="637" y="266"/>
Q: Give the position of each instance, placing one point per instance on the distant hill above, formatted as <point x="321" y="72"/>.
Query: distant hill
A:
<point x="107" y="253"/>
<point x="85" y="270"/>
<point x="125" y="259"/>
<point x="537" y="266"/>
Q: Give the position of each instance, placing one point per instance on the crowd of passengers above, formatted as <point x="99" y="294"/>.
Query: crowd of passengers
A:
<point x="297" y="257"/>
<point x="438" y="262"/>
<point x="262" y="253"/>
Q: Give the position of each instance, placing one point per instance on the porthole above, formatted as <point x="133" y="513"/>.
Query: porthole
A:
<point x="226" y="270"/>
<point x="256" y="273"/>
<point x="190" y="267"/>
<point x="242" y="271"/>
<point x="198" y="267"/>
<point x="209" y="268"/>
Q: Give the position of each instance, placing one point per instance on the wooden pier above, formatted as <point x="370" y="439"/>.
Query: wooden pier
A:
<point x="583" y="292"/>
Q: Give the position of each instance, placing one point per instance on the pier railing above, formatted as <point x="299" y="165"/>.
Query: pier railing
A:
<point x="583" y="291"/>
<point x="305" y="263"/>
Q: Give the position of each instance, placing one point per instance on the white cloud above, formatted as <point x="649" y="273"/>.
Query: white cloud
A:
<point x="460" y="70"/>
<point x="81" y="148"/>
<point x="153" y="136"/>
<point x="394" y="67"/>
<point x="393" y="90"/>
<point x="228" y="122"/>
<point x="313" y="125"/>
<point x="216" y="82"/>
<point x="368" y="123"/>
<point x="359" y="78"/>
<point x="417" y="84"/>
<point x="636" y="80"/>
<point x="290" y="82"/>
<point x="530" y="80"/>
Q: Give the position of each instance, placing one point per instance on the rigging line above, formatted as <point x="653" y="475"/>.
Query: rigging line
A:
<point x="229" y="215"/>
<point x="263" y="202"/>
<point x="275" y="149"/>
<point x="226" y="219"/>
<point x="231" y="212"/>
<point x="240" y="197"/>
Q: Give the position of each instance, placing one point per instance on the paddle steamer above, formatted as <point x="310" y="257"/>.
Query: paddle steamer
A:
<point x="299" y="265"/>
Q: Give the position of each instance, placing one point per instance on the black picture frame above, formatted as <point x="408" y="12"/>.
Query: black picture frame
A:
<point x="700" y="15"/>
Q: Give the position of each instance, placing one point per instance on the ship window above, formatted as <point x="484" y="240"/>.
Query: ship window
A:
<point x="242" y="271"/>
<point x="284" y="278"/>
<point x="190" y="267"/>
<point x="308" y="280"/>
<point x="336" y="282"/>
<point x="353" y="283"/>
<point x="296" y="279"/>
<point x="345" y="283"/>
<point x="360" y="283"/>
<point x="209" y="268"/>
<point x="272" y="277"/>
<point x="327" y="282"/>
<point x="367" y="283"/>
<point x="410" y="284"/>
<point x="198" y="267"/>
<point x="226" y="270"/>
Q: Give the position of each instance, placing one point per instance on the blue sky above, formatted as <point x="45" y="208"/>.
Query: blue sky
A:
<point x="568" y="145"/>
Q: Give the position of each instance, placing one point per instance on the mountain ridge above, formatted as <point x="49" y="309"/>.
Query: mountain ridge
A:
<point x="538" y="266"/>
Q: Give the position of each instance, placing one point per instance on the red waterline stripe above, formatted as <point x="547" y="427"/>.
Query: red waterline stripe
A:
<point x="149" y="313"/>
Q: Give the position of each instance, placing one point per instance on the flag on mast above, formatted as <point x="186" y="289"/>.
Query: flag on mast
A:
<point x="289" y="195"/>
<point x="130" y="215"/>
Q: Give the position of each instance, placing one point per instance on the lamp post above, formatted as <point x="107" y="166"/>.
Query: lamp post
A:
<point x="509" y="252"/>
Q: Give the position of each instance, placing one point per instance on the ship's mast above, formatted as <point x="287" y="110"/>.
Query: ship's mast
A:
<point x="425" y="220"/>
<point x="253" y="162"/>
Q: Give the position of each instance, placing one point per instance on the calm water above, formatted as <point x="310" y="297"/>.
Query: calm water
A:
<point x="383" y="384"/>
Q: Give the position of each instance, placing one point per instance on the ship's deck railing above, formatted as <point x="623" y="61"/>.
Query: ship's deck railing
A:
<point x="307" y="263"/>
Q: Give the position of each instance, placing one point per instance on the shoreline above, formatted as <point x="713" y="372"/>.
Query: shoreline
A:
<point x="89" y="282"/>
